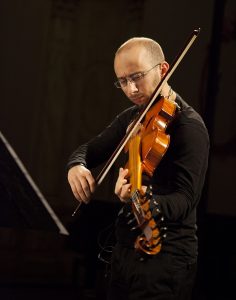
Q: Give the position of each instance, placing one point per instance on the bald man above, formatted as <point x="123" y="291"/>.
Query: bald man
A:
<point x="177" y="183"/>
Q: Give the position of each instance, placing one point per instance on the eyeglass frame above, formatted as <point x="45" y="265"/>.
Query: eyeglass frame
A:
<point x="130" y="79"/>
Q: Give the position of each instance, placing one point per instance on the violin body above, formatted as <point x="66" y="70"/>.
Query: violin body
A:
<point x="155" y="141"/>
<point x="146" y="149"/>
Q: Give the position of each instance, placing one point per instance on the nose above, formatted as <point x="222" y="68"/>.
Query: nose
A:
<point x="132" y="86"/>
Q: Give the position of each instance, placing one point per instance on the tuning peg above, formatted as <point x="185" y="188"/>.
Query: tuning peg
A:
<point x="148" y="193"/>
<point x="129" y="214"/>
<point x="134" y="228"/>
<point x="164" y="236"/>
<point x="131" y="221"/>
<point x="163" y="232"/>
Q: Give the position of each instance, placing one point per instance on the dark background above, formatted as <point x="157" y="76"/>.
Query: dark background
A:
<point x="57" y="91"/>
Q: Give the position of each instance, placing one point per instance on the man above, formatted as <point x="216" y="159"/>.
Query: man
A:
<point x="177" y="182"/>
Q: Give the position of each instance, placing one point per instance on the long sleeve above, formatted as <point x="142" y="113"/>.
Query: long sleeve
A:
<point x="100" y="148"/>
<point x="183" y="170"/>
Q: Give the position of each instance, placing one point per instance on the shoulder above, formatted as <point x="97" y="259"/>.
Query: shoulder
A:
<point x="188" y="123"/>
<point x="188" y="115"/>
<point x="127" y="115"/>
<point x="129" y="112"/>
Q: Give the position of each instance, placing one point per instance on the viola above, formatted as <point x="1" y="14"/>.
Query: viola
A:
<point x="146" y="148"/>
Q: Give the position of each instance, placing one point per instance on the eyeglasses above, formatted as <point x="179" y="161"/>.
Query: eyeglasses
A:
<point x="122" y="82"/>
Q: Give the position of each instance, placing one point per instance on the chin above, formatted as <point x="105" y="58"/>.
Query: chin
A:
<point x="140" y="101"/>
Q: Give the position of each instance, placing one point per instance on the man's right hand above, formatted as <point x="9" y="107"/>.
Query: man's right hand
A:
<point x="81" y="182"/>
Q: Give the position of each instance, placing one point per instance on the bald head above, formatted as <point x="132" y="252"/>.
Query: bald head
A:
<point x="153" y="49"/>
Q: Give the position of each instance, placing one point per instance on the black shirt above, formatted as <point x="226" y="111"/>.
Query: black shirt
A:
<point x="177" y="181"/>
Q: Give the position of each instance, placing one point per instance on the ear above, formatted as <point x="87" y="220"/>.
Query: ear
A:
<point x="164" y="68"/>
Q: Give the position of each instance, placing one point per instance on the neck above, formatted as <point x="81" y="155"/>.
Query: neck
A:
<point x="167" y="92"/>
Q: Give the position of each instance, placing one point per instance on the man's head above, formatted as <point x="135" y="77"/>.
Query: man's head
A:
<point x="139" y="66"/>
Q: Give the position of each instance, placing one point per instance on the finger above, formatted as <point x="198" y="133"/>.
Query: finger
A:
<point x="125" y="192"/>
<point x="86" y="179"/>
<point x="144" y="188"/>
<point x="79" y="187"/>
<point x="118" y="188"/>
<point x="91" y="181"/>
<point x="120" y="181"/>
<point x="119" y="184"/>
<point x="77" y="195"/>
<point x="74" y="191"/>
<point x="80" y="179"/>
<point x="123" y="172"/>
<point x="83" y="189"/>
